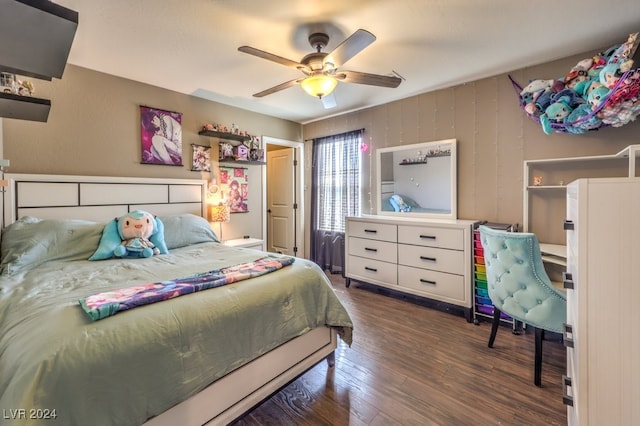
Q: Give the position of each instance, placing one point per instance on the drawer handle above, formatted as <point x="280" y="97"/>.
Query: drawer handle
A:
<point x="370" y="269"/>
<point x="567" y="225"/>
<point x="428" y="237"/>
<point x="567" y="280"/>
<point x="567" y="335"/>
<point x="566" y="385"/>
<point x="370" y="249"/>
<point x="423" y="281"/>
<point x="430" y="259"/>
<point x="371" y="231"/>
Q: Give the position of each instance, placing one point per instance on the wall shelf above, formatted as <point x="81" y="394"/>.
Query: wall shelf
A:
<point x="244" y="162"/>
<point x="37" y="37"/>
<point x="544" y="206"/>
<point x="225" y="136"/>
<point x="24" y="107"/>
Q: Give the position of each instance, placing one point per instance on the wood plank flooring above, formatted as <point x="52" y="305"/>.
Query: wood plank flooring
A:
<point x="410" y="364"/>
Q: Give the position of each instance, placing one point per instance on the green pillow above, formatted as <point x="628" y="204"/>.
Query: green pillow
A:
<point x="30" y="242"/>
<point x="186" y="229"/>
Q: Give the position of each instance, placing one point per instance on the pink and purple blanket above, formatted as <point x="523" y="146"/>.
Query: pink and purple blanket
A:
<point x="105" y="304"/>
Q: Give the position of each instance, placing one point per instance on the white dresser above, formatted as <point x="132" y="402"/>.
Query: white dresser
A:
<point x="602" y="386"/>
<point x="425" y="257"/>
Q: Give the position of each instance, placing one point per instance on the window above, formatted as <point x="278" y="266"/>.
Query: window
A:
<point x="336" y="180"/>
<point x="335" y="194"/>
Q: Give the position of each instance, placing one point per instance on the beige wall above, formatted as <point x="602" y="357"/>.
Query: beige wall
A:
<point x="494" y="138"/>
<point x="94" y="129"/>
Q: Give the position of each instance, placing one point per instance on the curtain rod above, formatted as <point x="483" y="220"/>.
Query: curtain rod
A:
<point x="337" y="134"/>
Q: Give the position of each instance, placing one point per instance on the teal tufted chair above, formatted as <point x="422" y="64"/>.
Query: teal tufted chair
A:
<point x="519" y="286"/>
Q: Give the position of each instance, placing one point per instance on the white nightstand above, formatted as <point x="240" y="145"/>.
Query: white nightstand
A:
<point x="254" y="243"/>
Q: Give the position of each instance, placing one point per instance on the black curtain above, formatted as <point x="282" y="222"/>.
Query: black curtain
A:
<point x="335" y="194"/>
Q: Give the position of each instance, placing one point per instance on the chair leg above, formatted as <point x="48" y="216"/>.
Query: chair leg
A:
<point x="494" y="326"/>
<point x="537" y="373"/>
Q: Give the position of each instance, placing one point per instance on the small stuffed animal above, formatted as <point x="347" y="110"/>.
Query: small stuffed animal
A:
<point x="596" y="97"/>
<point x="555" y="113"/>
<point x="533" y="90"/>
<point x="133" y="235"/>
<point x="135" y="229"/>
<point x="398" y="203"/>
<point x="610" y="74"/>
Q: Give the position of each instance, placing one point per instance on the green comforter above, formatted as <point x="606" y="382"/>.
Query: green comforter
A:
<point x="130" y="367"/>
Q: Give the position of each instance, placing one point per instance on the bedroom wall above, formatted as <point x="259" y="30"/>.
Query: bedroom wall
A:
<point x="494" y="138"/>
<point x="94" y="129"/>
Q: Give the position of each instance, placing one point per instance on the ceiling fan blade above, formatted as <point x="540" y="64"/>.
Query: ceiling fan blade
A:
<point x="278" y="88"/>
<point x="329" y="101"/>
<point x="349" y="48"/>
<point x="370" y="79"/>
<point x="271" y="57"/>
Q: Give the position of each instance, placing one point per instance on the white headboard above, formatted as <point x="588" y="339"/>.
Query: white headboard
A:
<point x="99" y="198"/>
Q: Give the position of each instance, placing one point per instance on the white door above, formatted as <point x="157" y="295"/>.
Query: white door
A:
<point x="281" y="208"/>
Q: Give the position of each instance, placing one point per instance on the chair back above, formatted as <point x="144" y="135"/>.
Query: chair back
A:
<point x="517" y="282"/>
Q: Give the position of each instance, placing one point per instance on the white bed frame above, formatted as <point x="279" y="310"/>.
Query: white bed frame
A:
<point x="99" y="198"/>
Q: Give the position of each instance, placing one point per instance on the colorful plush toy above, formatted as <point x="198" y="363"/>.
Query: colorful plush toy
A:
<point x="596" y="97"/>
<point x="133" y="235"/>
<point x="532" y="90"/>
<point x="555" y="113"/>
<point x="398" y="203"/>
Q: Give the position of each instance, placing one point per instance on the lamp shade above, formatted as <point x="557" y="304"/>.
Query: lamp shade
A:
<point x="219" y="213"/>
<point x="319" y="85"/>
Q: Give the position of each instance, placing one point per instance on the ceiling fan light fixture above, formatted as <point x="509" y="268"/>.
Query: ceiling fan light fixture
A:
<point x="319" y="85"/>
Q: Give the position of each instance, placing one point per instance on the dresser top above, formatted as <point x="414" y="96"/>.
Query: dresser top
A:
<point x="399" y="219"/>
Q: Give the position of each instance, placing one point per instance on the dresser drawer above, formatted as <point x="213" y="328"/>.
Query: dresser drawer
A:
<point x="433" y="283"/>
<point x="373" y="249"/>
<point x="437" y="259"/>
<point x="450" y="238"/>
<point x="372" y="230"/>
<point x="372" y="270"/>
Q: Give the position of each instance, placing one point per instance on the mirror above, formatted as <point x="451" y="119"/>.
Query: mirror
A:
<point x="418" y="180"/>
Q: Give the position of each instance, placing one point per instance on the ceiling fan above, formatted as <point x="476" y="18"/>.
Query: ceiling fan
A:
<point x="321" y="68"/>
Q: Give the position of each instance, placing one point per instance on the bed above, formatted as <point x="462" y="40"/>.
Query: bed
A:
<point x="199" y="358"/>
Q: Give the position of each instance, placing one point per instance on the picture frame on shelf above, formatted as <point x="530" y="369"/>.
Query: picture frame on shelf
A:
<point x="201" y="159"/>
<point x="225" y="151"/>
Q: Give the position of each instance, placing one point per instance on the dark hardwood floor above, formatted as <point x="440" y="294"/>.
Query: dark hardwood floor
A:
<point x="414" y="365"/>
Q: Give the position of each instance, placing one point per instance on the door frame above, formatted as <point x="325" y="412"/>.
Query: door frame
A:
<point x="299" y="193"/>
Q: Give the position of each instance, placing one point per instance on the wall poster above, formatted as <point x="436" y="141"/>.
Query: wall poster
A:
<point x="234" y="183"/>
<point x="161" y="136"/>
<point x="201" y="161"/>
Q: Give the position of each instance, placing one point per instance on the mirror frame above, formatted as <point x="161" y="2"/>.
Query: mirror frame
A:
<point x="453" y="213"/>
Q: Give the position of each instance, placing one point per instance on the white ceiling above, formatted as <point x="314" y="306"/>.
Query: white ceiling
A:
<point x="190" y="46"/>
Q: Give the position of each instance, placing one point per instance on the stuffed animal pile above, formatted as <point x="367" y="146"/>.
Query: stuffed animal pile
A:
<point x="597" y="92"/>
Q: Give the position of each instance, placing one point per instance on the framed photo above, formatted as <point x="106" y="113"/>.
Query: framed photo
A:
<point x="234" y="183"/>
<point x="161" y="136"/>
<point x="201" y="161"/>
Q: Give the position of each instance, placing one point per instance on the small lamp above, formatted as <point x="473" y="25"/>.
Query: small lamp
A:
<point x="219" y="213"/>
<point x="319" y="85"/>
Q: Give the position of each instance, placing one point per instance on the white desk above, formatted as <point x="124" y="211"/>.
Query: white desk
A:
<point x="554" y="253"/>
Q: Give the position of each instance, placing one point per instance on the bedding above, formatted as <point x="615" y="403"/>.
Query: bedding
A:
<point x="127" y="368"/>
<point x="389" y="205"/>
